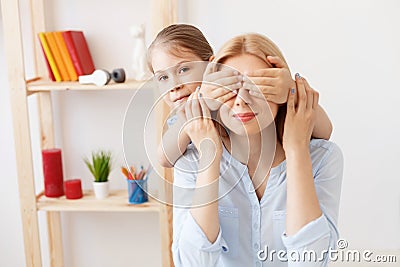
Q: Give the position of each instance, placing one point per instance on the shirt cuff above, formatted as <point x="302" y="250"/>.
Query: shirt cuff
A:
<point x="308" y="234"/>
<point x="193" y="234"/>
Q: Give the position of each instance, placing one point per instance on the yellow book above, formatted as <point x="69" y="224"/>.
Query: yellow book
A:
<point x="62" y="47"/>
<point x="57" y="56"/>
<point x="50" y="57"/>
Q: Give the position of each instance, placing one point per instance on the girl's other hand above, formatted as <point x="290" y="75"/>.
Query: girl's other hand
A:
<point x="219" y="86"/>
<point x="300" y="119"/>
<point x="200" y="127"/>
<point x="272" y="83"/>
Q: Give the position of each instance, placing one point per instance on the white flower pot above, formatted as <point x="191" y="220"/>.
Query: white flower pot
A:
<point x="101" y="189"/>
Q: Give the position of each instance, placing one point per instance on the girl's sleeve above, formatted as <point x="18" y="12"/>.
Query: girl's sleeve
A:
<point x="310" y="245"/>
<point x="190" y="246"/>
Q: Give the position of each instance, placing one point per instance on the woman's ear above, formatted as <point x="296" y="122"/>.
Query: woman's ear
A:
<point x="211" y="58"/>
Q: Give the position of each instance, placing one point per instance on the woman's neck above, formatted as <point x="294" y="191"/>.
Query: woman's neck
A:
<point x="256" y="151"/>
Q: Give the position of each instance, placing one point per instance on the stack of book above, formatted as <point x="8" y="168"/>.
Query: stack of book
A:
<point x="67" y="55"/>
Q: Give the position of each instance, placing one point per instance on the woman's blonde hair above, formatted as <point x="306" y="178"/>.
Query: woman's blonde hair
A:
<point x="261" y="47"/>
<point x="178" y="38"/>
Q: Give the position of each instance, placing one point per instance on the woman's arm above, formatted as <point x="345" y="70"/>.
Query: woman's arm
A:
<point x="312" y="198"/>
<point x="302" y="201"/>
<point x="323" y="126"/>
<point x="197" y="236"/>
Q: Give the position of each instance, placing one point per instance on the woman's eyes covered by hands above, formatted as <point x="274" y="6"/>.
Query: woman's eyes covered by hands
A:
<point x="219" y="85"/>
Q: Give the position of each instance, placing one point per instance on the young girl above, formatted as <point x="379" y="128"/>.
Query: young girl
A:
<point x="175" y="58"/>
<point x="230" y="210"/>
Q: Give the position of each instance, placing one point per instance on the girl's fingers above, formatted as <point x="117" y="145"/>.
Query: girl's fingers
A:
<point x="267" y="90"/>
<point x="222" y="99"/>
<point x="220" y="91"/>
<point x="225" y="81"/>
<point x="257" y="94"/>
<point x="209" y="68"/>
<point x="269" y="72"/>
<point x="276" y="61"/>
<point x="316" y="95"/>
<point x="310" y="95"/>
<point x="301" y="93"/>
<point x="266" y="81"/>
<point x="212" y="77"/>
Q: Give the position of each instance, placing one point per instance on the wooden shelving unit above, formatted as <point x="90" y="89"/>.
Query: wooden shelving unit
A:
<point x="164" y="13"/>
<point x="116" y="202"/>
<point x="41" y="85"/>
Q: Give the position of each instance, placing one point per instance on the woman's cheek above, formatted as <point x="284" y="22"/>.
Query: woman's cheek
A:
<point x="273" y="108"/>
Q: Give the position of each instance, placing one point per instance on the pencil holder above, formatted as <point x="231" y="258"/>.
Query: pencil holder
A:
<point x="137" y="191"/>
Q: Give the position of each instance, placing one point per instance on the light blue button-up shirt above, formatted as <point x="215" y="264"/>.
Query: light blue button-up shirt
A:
<point x="250" y="230"/>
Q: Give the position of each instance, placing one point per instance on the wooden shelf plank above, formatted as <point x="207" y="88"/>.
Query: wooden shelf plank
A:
<point x="41" y="85"/>
<point x="116" y="201"/>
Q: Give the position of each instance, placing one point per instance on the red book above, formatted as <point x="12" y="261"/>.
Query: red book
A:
<point x="79" y="52"/>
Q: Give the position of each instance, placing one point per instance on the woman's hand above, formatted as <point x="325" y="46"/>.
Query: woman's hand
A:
<point x="300" y="119"/>
<point x="200" y="127"/>
<point x="219" y="86"/>
<point x="272" y="83"/>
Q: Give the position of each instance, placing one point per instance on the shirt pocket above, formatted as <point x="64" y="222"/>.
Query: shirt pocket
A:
<point x="279" y="226"/>
<point x="229" y="221"/>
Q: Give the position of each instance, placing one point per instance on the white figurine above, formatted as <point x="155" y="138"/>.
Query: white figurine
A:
<point x="139" y="64"/>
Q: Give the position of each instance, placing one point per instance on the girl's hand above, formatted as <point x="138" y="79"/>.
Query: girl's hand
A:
<point x="219" y="86"/>
<point x="300" y="119"/>
<point x="200" y="127"/>
<point x="272" y="83"/>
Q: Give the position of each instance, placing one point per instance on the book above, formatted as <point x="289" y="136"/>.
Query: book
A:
<point x="49" y="57"/>
<point x="62" y="47"/>
<point x="51" y="76"/>
<point x="57" y="55"/>
<point x="79" y="52"/>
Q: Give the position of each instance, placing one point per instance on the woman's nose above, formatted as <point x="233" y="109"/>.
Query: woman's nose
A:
<point x="243" y="97"/>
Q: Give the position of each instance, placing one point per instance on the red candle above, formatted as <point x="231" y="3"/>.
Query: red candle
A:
<point x="73" y="189"/>
<point x="53" y="173"/>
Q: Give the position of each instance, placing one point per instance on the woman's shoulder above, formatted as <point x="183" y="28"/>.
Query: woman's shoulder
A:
<point x="325" y="152"/>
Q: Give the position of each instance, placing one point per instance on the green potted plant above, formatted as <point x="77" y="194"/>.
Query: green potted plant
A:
<point x="100" y="167"/>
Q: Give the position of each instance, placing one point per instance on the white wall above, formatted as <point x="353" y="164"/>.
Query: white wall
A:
<point x="349" y="51"/>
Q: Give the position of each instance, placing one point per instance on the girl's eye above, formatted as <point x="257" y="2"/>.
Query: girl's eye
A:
<point x="183" y="70"/>
<point x="163" y="78"/>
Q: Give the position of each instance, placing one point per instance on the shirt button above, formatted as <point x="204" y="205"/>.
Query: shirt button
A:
<point x="256" y="246"/>
<point x="255" y="226"/>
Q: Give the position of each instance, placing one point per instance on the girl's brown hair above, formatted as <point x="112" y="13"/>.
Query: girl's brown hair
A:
<point x="261" y="47"/>
<point x="178" y="38"/>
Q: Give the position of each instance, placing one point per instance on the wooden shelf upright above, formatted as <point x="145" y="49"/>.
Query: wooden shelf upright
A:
<point x="164" y="12"/>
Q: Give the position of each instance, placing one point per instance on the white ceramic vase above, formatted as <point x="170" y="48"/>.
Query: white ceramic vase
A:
<point x="101" y="189"/>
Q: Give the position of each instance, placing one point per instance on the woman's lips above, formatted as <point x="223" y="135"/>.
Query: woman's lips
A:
<point x="244" y="117"/>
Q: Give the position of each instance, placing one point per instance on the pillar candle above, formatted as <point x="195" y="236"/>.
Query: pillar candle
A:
<point x="53" y="172"/>
<point x="73" y="189"/>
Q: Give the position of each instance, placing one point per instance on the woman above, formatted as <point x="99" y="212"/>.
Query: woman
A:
<point x="231" y="209"/>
